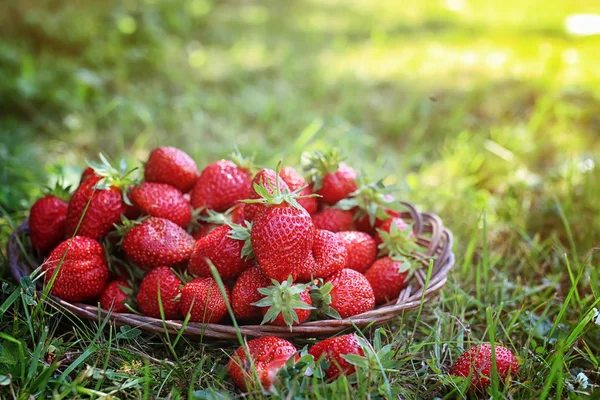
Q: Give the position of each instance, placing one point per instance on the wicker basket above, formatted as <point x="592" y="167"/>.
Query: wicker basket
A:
<point x="432" y="237"/>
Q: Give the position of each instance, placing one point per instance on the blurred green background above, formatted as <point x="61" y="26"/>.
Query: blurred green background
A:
<point x="469" y="107"/>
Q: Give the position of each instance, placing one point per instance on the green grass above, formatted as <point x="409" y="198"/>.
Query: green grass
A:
<point x="486" y="114"/>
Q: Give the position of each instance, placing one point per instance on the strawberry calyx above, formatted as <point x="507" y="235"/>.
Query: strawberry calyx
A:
<point x="277" y="195"/>
<point x="112" y="176"/>
<point x="244" y="162"/>
<point x="242" y="232"/>
<point x="372" y="199"/>
<point x="320" y="163"/>
<point x="399" y="244"/>
<point x="59" y="190"/>
<point x="320" y="295"/>
<point x="283" y="298"/>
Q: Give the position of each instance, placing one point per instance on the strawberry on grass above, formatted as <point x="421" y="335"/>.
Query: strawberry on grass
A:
<point x="476" y="363"/>
<point x="333" y="351"/>
<point x="267" y="355"/>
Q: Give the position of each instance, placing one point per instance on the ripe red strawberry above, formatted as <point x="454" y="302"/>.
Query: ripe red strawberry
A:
<point x="329" y="253"/>
<point x="87" y="173"/>
<point x="115" y="296"/>
<point x="386" y="226"/>
<point x="361" y="248"/>
<point x="171" y="166"/>
<point x="331" y="178"/>
<point x="83" y="274"/>
<point x="268" y="354"/>
<point x="47" y="223"/>
<point x="157" y="241"/>
<point x="202" y="299"/>
<point x="477" y="362"/>
<point x="220" y="186"/>
<point x="387" y="278"/>
<point x="100" y="200"/>
<point x="224" y="248"/>
<point x="264" y="178"/>
<point x="161" y="200"/>
<point x="164" y="280"/>
<point x="245" y="293"/>
<point x="332" y="350"/>
<point x="237" y="214"/>
<point x="104" y="210"/>
<point x="351" y="294"/>
<point x="363" y="222"/>
<point x="334" y="220"/>
<point x="295" y="181"/>
<point x="282" y="238"/>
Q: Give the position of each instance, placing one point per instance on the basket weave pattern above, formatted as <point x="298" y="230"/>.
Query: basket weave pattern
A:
<point x="432" y="237"/>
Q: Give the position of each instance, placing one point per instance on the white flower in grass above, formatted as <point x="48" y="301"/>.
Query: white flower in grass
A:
<point x="582" y="380"/>
<point x="596" y="317"/>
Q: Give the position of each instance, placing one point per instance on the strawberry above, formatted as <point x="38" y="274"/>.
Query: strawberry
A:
<point x="157" y="241"/>
<point x="371" y="204"/>
<point x="220" y="186"/>
<point x="100" y="199"/>
<point x="237" y="214"/>
<point x="282" y="238"/>
<point x="115" y="295"/>
<point x="83" y="273"/>
<point x="331" y="178"/>
<point x="245" y="293"/>
<point x="47" y="223"/>
<point x="202" y="299"/>
<point x="163" y="282"/>
<point x="386" y="226"/>
<point x="267" y="354"/>
<point x="171" y="166"/>
<point x="332" y="350"/>
<point x="334" y="220"/>
<point x="361" y="249"/>
<point x="226" y="247"/>
<point x="265" y="178"/>
<point x="351" y="294"/>
<point x="285" y="303"/>
<point x="387" y="278"/>
<point x="295" y="181"/>
<point x="161" y="200"/>
<point x="477" y="363"/>
<point x="86" y="173"/>
<point x="329" y="253"/>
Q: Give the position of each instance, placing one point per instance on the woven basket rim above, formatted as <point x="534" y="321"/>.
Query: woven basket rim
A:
<point x="435" y="240"/>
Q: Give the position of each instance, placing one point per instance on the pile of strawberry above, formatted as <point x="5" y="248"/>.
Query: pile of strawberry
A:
<point x="287" y="247"/>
